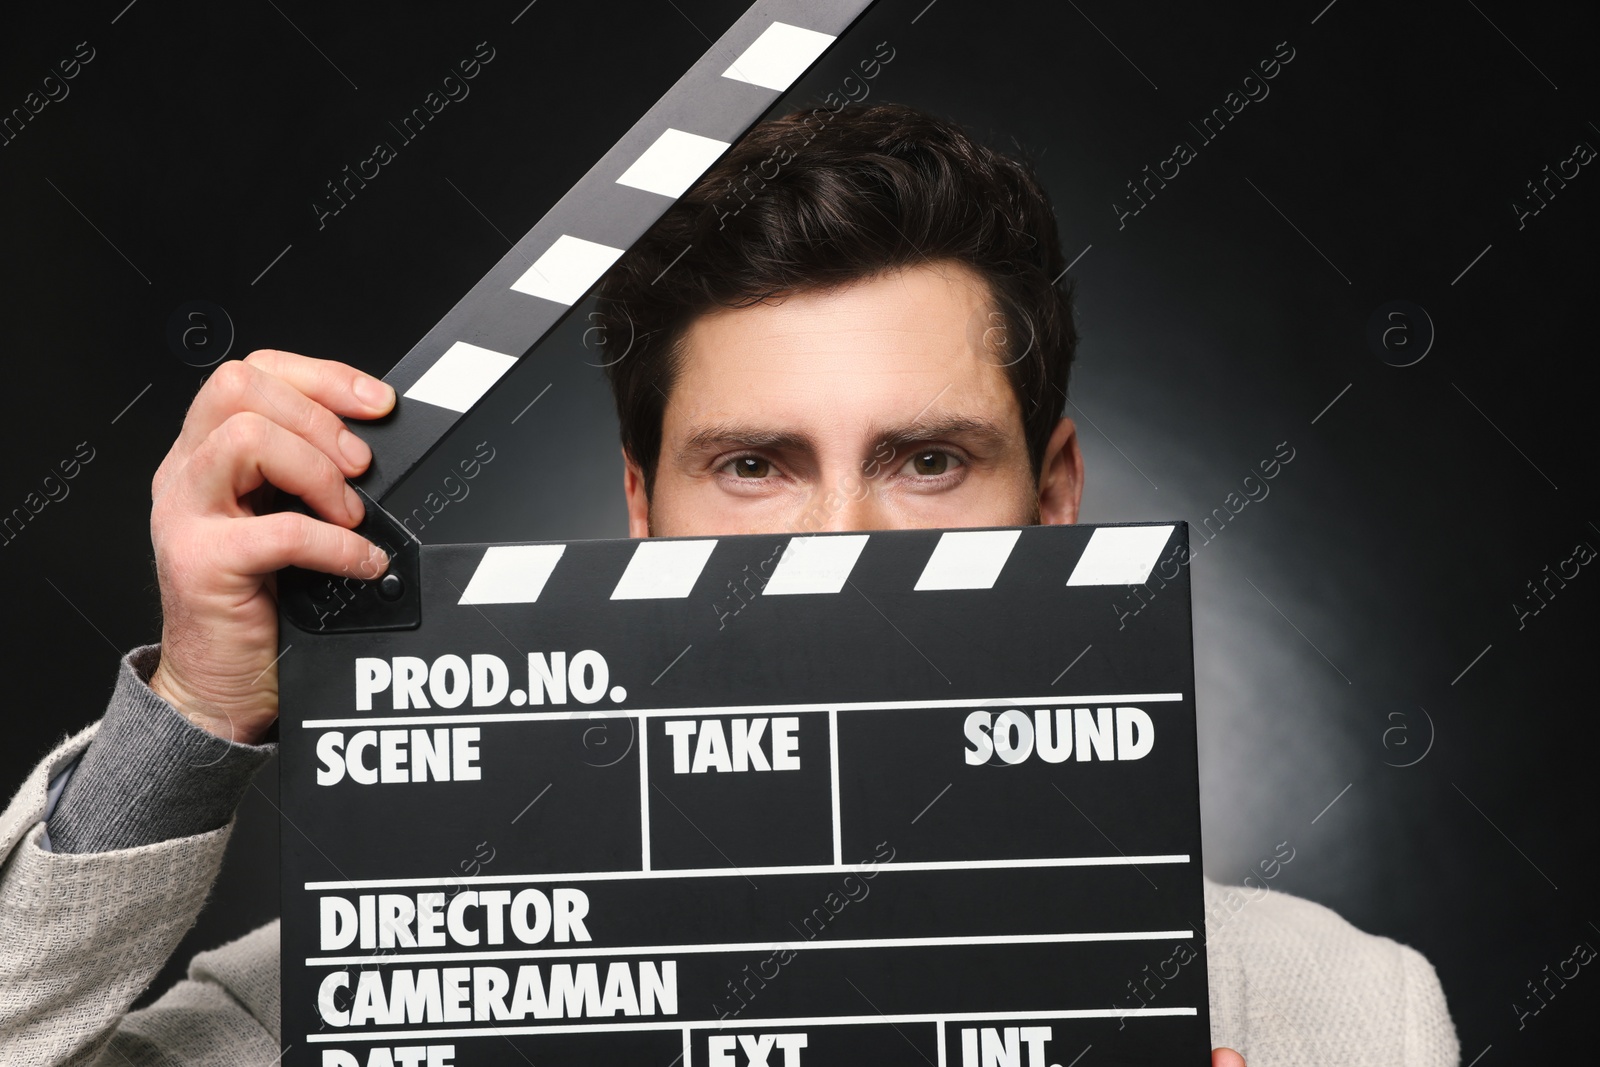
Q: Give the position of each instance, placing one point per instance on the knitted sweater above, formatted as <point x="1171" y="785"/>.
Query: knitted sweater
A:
<point x="92" y="905"/>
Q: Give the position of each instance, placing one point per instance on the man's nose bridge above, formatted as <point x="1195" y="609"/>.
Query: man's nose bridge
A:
<point x="849" y="503"/>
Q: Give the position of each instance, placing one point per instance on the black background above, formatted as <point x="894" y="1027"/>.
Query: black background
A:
<point x="1333" y="627"/>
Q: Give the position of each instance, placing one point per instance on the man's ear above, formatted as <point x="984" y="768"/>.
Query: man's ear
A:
<point x="1061" y="477"/>
<point x="638" y="499"/>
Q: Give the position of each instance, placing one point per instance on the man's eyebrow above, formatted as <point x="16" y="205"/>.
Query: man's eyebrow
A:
<point x="976" y="431"/>
<point x="741" y="435"/>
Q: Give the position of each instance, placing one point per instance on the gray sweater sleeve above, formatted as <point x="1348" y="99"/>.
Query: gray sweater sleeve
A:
<point x="149" y="775"/>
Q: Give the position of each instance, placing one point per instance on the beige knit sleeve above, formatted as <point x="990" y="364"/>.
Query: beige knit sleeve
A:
<point x="226" y="1012"/>
<point x="1429" y="1036"/>
<point x="81" y="935"/>
<point x="1293" y="984"/>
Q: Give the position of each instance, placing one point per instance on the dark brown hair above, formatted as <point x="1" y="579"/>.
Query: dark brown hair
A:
<point x="821" y="198"/>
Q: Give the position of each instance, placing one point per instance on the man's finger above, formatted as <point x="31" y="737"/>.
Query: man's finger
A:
<point x="250" y="450"/>
<point x="237" y="387"/>
<point x="1226" y="1057"/>
<point x="336" y="386"/>
<point x="265" y="543"/>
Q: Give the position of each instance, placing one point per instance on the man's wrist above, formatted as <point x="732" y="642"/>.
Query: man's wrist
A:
<point x="202" y="714"/>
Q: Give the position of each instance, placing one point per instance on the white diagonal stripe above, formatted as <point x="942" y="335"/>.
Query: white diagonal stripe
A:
<point x="663" y="570"/>
<point x="968" y="559"/>
<point x="673" y="163"/>
<point x="779" y="56"/>
<point x="815" y="564"/>
<point x="511" y="574"/>
<point x="567" y="269"/>
<point x="460" y="377"/>
<point x="1120" y="555"/>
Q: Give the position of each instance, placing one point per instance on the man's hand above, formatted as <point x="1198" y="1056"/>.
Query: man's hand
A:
<point x="1226" y="1057"/>
<point x="270" y="420"/>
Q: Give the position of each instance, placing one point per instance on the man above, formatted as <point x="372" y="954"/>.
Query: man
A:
<point x="866" y="333"/>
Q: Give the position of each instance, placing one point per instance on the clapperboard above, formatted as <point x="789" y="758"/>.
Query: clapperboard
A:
<point x="901" y="797"/>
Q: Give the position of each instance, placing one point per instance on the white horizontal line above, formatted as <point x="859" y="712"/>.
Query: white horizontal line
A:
<point x="724" y="872"/>
<point x="748" y="946"/>
<point x="736" y="709"/>
<point x="709" y="1024"/>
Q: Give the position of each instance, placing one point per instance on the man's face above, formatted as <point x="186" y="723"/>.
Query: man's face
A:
<point x="881" y="405"/>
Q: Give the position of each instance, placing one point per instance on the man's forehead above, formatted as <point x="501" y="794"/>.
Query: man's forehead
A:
<point x="943" y="304"/>
<point x="875" y="356"/>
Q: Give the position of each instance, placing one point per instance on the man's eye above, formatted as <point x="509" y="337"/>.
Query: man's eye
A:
<point x="931" y="463"/>
<point x="751" y="467"/>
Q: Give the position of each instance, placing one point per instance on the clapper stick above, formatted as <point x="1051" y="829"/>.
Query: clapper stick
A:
<point x="552" y="267"/>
